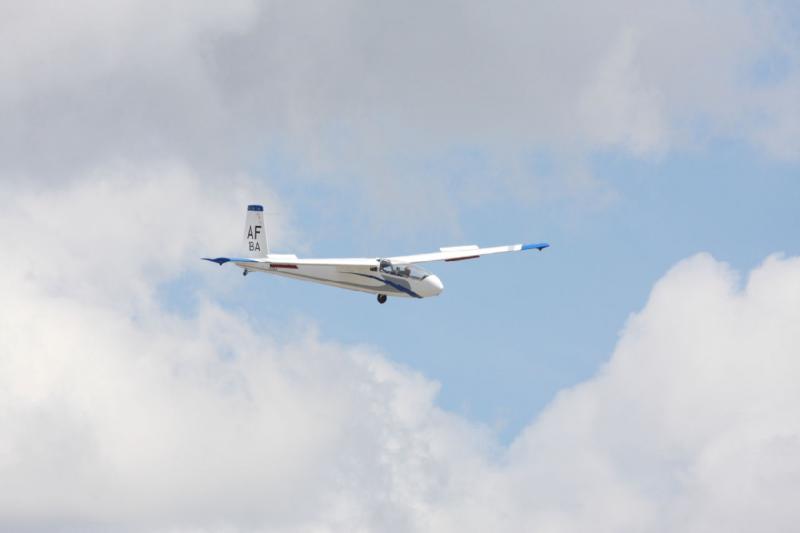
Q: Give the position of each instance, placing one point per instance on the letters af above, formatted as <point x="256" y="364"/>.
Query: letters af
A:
<point x="252" y="238"/>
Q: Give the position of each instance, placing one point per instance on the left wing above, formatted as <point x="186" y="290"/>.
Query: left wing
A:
<point x="460" y="253"/>
<point x="291" y="262"/>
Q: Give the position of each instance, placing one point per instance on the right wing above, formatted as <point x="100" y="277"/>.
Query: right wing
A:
<point x="460" y="253"/>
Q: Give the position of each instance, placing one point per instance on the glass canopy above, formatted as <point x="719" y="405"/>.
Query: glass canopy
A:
<point x="404" y="271"/>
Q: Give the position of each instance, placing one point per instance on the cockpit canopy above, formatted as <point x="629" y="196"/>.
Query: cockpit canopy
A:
<point x="403" y="271"/>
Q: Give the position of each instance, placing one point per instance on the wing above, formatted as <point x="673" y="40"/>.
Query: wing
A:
<point x="453" y="253"/>
<point x="291" y="262"/>
<point x="460" y="253"/>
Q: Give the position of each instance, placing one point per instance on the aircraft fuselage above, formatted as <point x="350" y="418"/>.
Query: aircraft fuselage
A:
<point x="375" y="280"/>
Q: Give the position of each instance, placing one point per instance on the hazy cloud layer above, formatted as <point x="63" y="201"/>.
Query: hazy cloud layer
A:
<point x="118" y="415"/>
<point x="363" y="94"/>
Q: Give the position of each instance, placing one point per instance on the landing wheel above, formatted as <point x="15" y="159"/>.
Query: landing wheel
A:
<point x="244" y="272"/>
<point x="381" y="298"/>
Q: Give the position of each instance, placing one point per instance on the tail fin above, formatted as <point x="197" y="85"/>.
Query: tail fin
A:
<point x="255" y="238"/>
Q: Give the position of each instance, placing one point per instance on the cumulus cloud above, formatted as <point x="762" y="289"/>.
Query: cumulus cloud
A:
<point x="692" y="423"/>
<point x="123" y="228"/>
<point x="123" y="419"/>
<point x="128" y="417"/>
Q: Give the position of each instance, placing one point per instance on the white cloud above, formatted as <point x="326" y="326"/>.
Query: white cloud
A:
<point x="617" y="110"/>
<point x="124" y="228"/>
<point x="684" y="422"/>
<point x="365" y="95"/>
<point x="139" y="420"/>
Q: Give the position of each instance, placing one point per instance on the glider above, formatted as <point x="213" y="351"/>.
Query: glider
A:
<point x="384" y="276"/>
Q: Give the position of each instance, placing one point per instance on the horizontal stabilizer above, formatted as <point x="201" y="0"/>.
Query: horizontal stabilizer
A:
<point x="218" y="260"/>
<point x="222" y="260"/>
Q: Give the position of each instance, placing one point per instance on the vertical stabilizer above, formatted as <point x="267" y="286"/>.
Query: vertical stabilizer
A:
<point x="255" y="235"/>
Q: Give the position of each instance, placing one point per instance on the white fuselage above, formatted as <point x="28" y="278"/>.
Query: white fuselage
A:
<point x="360" y="277"/>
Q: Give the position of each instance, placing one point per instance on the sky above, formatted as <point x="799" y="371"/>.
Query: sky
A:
<point x="638" y="375"/>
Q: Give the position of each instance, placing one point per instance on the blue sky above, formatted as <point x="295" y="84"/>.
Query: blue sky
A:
<point x="509" y="332"/>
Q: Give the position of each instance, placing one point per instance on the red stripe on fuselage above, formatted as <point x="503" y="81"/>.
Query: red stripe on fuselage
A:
<point x="282" y="265"/>
<point x="462" y="258"/>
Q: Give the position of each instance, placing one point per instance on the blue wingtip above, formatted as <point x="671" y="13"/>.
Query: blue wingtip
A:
<point x="538" y="246"/>
<point x="255" y="207"/>
<point x="218" y="260"/>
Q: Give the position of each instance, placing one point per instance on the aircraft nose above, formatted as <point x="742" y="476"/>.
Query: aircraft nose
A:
<point x="435" y="285"/>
